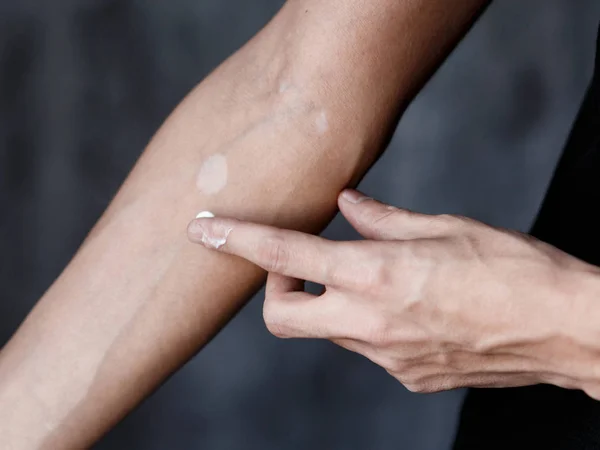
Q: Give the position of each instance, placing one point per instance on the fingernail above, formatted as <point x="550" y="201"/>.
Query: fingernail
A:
<point x="354" y="196"/>
<point x="208" y="232"/>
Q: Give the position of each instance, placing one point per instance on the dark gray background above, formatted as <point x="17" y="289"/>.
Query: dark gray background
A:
<point x="84" y="84"/>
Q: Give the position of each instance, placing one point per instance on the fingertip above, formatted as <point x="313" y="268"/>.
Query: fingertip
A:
<point x="194" y="231"/>
<point x="366" y="215"/>
<point x="353" y="196"/>
<point x="212" y="233"/>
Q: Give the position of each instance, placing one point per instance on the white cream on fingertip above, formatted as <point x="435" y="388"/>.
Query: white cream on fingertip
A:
<point x="205" y="215"/>
<point x="212" y="241"/>
<point x="216" y="242"/>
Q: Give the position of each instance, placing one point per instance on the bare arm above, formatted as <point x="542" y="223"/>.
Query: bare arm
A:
<point x="271" y="136"/>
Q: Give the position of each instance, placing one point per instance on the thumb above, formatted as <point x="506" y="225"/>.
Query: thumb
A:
<point x="378" y="221"/>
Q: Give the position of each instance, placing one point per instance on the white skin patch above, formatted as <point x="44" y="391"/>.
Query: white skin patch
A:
<point x="321" y="122"/>
<point x="212" y="177"/>
<point x="284" y="86"/>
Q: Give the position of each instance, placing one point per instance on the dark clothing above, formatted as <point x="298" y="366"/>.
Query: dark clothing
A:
<point x="547" y="417"/>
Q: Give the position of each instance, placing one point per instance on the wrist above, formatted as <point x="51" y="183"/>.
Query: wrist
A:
<point x="577" y="350"/>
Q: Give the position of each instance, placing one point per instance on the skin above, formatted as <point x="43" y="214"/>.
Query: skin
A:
<point x="138" y="300"/>
<point x="440" y="302"/>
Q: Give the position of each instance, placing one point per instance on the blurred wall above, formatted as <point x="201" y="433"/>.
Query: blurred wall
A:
<point x="84" y="84"/>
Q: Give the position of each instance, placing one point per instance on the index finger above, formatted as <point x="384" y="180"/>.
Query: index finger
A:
<point x="287" y="252"/>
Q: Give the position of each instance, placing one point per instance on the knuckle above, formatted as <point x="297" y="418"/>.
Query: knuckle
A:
<point x="272" y="318"/>
<point x="380" y="274"/>
<point x="337" y="275"/>
<point x="398" y="366"/>
<point x="592" y="391"/>
<point x="454" y="221"/>
<point x="445" y="223"/>
<point x="459" y="218"/>
<point x="448" y="219"/>
<point x="424" y="381"/>
<point x="276" y="329"/>
<point x="427" y="389"/>
<point x="388" y="363"/>
<point x="421" y="386"/>
<point x="443" y="359"/>
<point x="274" y="253"/>
<point x="379" y="333"/>
<point x="385" y="271"/>
<point x="415" y="388"/>
<point x="410" y="377"/>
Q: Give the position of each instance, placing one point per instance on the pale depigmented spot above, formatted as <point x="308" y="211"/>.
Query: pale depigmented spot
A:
<point x="284" y="86"/>
<point x="212" y="177"/>
<point x="322" y="123"/>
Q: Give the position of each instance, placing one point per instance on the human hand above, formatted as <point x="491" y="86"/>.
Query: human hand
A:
<point x="440" y="302"/>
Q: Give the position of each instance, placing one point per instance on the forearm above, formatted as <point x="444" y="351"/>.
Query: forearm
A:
<point x="271" y="136"/>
